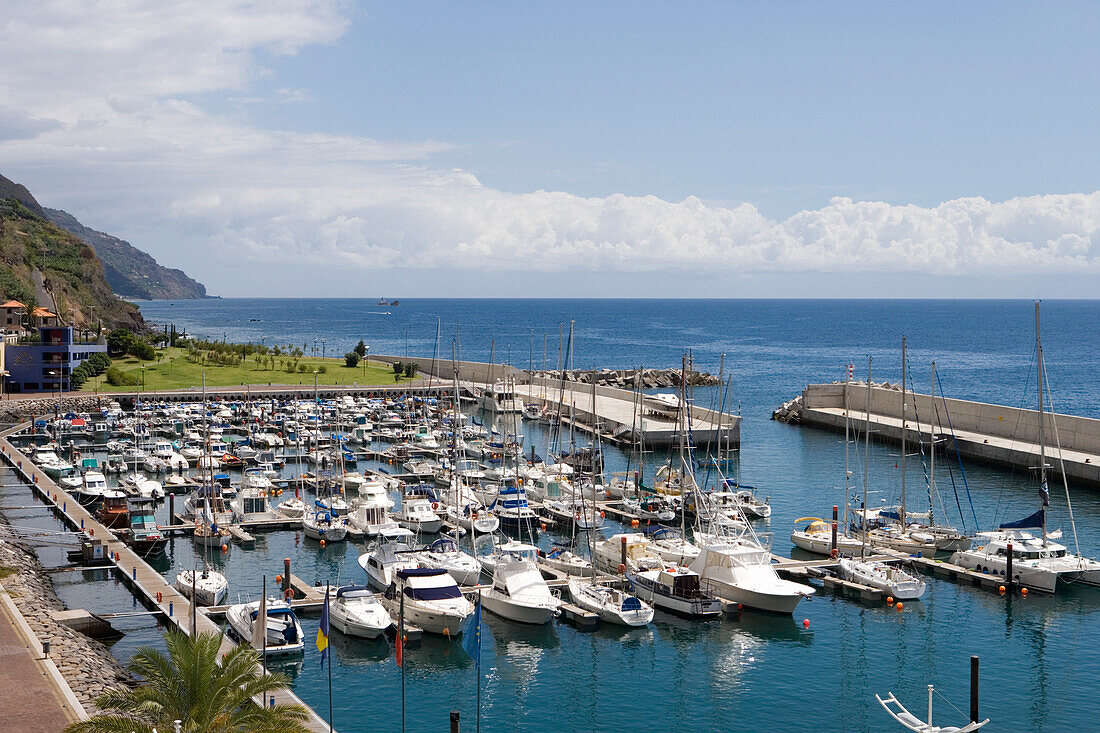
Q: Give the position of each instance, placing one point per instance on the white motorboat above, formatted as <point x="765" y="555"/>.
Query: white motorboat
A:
<point x="417" y="515"/>
<point x="210" y="587"/>
<point x="746" y="502"/>
<point x="396" y="550"/>
<point x="444" y="554"/>
<point x="430" y="599"/>
<point x="817" y="537"/>
<point x="677" y="590"/>
<point x="321" y="524"/>
<point x="292" y="508"/>
<point x="891" y="580"/>
<point x="566" y="561"/>
<point x="519" y="592"/>
<point x="284" y="633"/>
<point x="357" y="611"/>
<point x="573" y="512"/>
<point x="740" y="570"/>
<point x="479" y="520"/>
<point x="92" y="487"/>
<point x="252" y="504"/>
<point x="627" y="552"/>
<point x="613" y="606"/>
<point x="500" y="398"/>
<point x="371" y="512"/>
<point x="672" y="547"/>
<point x="651" y="508"/>
<point x="53" y="466"/>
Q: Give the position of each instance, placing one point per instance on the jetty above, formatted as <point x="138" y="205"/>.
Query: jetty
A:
<point x="996" y="434"/>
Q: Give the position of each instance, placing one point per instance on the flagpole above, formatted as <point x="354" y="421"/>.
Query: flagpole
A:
<point x="478" y="632"/>
<point x="330" y="663"/>
<point x="263" y="603"/>
<point x="401" y="646"/>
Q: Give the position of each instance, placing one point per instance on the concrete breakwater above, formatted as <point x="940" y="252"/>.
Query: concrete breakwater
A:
<point x="86" y="665"/>
<point x="632" y="378"/>
<point x="986" y="432"/>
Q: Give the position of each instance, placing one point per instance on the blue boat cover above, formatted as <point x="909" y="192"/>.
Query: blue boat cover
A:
<point x="1035" y="521"/>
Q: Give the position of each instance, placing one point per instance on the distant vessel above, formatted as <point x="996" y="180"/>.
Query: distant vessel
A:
<point x="383" y="301"/>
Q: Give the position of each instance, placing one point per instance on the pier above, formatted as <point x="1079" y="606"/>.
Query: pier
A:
<point x="150" y="587"/>
<point x="997" y="434"/>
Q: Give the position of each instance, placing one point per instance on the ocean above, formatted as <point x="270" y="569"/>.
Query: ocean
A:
<point x="756" y="672"/>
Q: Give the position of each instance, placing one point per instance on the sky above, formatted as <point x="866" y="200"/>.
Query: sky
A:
<point x="404" y="149"/>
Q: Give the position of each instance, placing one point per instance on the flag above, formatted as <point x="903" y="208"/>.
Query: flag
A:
<point x="1044" y="493"/>
<point x="471" y="643"/>
<point x="322" y="630"/>
<point x="259" y="625"/>
<point x="400" y="649"/>
<point x="401" y="632"/>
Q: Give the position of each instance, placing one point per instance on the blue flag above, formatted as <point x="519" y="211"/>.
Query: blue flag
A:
<point x="322" y="631"/>
<point x="471" y="644"/>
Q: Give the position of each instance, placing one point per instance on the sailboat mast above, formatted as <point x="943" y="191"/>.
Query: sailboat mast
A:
<point x="932" y="456"/>
<point x="847" y="473"/>
<point x="1043" y="491"/>
<point x="866" y="464"/>
<point x="901" y="514"/>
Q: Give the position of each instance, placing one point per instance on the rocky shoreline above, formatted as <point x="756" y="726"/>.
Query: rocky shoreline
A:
<point x="14" y="411"/>
<point x="630" y="378"/>
<point x="87" y="665"/>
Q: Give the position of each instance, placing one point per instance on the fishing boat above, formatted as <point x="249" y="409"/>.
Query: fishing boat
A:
<point x="677" y="590"/>
<point x="395" y="550"/>
<point x="144" y="534"/>
<point x="518" y="591"/>
<point x="284" y="633"/>
<point x="430" y="598"/>
<point x="356" y="611"/>
<point x="114" y="512"/>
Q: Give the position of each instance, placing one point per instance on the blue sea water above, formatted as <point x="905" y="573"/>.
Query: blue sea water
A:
<point x="757" y="672"/>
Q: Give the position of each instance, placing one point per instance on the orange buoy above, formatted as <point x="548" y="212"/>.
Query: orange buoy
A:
<point x="288" y="594"/>
<point x="446" y="632"/>
<point x="889" y="600"/>
<point x="543" y="525"/>
<point x="1001" y="590"/>
<point x="278" y="580"/>
<point x="1023" y="592"/>
<point x="225" y="548"/>
<point x="899" y="606"/>
<point x="322" y="543"/>
<point x="603" y="515"/>
<point x="805" y="623"/>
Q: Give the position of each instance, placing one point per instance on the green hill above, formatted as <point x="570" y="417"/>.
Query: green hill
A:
<point x="44" y="265"/>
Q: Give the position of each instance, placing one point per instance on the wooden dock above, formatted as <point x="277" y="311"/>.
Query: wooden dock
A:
<point x="151" y="588"/>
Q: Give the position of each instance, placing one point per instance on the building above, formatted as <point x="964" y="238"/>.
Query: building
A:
<point x="11" y="315"/>
<point x="45" y="317"/>
<point x="45" y="365"/>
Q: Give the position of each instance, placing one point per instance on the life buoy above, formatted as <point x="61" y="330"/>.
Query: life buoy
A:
<point x="435" y="505"/>
<point x="622" y="569"/>
<point x="833" y="553"/>
<point x="288" y="594"/>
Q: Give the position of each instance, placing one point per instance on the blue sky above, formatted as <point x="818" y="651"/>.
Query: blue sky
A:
<point x="738" y="145"/>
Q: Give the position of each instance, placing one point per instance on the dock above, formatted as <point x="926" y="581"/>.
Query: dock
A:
<point x="151" y="588"/>
<point x="996" y="434"/>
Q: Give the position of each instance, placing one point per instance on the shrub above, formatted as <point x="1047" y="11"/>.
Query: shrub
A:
<point x="361" y="348"/>
<point x="302" y="369"/>
<point x="398" y="367"/>
<point x="411" y="369"/>
<point x="323" y="369"/>
<point x="351" y="359"/>
<point x="119" y="378"/>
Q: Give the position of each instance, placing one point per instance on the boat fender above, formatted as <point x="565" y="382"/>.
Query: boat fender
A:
<point x="159" y="598"/>
<point x="622" y="569"/>
<point x="833" y="553"/>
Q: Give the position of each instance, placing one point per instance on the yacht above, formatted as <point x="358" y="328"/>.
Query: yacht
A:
<point x="612" y="605"/>
<point x="371" y="512"/>
<point x="627" y="552"/>
<point x="518" y="591"/>
<point x="357" y="611"/>
<point x="500" y="398"/>
<point x="284" y="633"/>
<point x="817" y="537"/>
<point x="677" y="590"/>
<point x="428" y="598"/>
<point x="292" y="508"/>
<point x="445" y="555"/>
<point x="511" y="508"/>
<point x="417" y="515"/>
<point x="321" y="524"/>
<point x="114" y="512"/>
<point x="210" y="586"/>
<point x="251" y="504"/>
<point x="566" y="561"/>
<point x="739" y="570"/>
<point x="892" y="580"/>
<point x="1038" y="563"/>
<point x="396" y="550"/>
<point x="92" y="487"/>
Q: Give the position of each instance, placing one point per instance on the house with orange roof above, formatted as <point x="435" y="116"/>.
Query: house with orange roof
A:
<point x="45" y="317"/>
<point x="11" y="315"/>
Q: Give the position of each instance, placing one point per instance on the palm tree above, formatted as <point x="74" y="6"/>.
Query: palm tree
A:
<point x="188" y="684"/>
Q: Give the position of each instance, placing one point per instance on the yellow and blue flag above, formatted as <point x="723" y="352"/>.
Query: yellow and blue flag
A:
<point x="322" y="631"/>
<point x="471" y="643"/>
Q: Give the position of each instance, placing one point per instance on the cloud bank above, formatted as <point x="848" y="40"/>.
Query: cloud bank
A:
<point x="105" y="110"/>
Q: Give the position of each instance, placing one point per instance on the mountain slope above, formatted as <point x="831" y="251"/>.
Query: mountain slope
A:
<point x="131" y="272"/>
<point x="44" y="265"/>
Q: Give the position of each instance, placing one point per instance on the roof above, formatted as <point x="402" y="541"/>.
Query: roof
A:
<point x="43" y="313"/>
<point x="13" y="304"/>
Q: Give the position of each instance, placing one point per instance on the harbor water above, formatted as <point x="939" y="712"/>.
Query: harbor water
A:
<point x="752" y="672"/>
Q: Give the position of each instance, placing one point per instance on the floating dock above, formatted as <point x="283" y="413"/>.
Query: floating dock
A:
<point x="1006" y="436"/>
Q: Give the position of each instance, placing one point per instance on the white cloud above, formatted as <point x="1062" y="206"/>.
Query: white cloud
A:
<point x="103" y="96"/>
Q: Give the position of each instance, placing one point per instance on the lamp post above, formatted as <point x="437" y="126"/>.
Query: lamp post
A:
<point x="322" y="348"/>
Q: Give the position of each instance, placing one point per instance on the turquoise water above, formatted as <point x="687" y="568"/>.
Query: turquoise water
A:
<point x="755" y="672"/>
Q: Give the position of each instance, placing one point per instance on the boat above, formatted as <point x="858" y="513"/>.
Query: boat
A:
<point x="292" y="508"/>
<point x="511" y="508"/>
<point x="612" y="605"/>
<point x="284" y="633"/>
<point x="395" y="550"/>
<point x="675" y="589"/>
<point x="650" y="508"/>
<point x="817" y="537"/>
<point x="444" y="554"/>
<point x="746" y="502"/>
<point x="209" y="587"/>
<point x="417" y="515"/>
<point x="671" y="545"/>
<point x="740" y="570"/>
<point x="54" y="467"/>
<point x="624" y="552"/>
<point x="891" y="580"/>
<point x="144" y="534"/>
<point x="251" y="504"/>
<point x="92" y="487"/>
<point x="371" y="511"/>
<point x="572" y="512"/>
<point x="429" y="598"/>
<point x="114" y="512"/>
<point x="910" y="721"/>
<point x="356" y="611"/>
<point x="518" y="591"/>
<point x="320" y="523"/>
<point x="500" y="398"/>
<point x="566" y="561"/>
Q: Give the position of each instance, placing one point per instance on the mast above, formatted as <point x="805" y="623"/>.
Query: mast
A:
<point x="1044" y="493"/>
<point x="932" y="456"/>
<point x="901" y="514"/>
<point x="866" y="464"/>
<point x="847" y="473"/>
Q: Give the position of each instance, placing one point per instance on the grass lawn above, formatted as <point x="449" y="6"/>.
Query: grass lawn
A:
<point x="175" y="371"/>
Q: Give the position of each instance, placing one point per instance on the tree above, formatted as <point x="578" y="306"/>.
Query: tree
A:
<point x="411" y="368"/>
<point x="188" y="684"/>
<point x="120" y="341"/>
<point x="351" y="359"/>
<point x="361" y="348"/>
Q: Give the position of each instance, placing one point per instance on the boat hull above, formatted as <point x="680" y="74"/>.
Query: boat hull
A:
<point x="496" y="602"/>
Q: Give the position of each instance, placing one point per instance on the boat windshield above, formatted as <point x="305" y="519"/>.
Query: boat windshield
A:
<point x="433" y="594"/>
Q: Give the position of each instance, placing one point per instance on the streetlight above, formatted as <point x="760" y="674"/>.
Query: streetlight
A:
<point x="322" y="348"/>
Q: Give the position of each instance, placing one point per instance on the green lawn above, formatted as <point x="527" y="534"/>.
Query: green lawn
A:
<point x="174" y="370"/>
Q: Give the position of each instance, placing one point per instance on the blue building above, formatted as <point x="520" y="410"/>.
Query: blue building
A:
<point x="45" y="366"/>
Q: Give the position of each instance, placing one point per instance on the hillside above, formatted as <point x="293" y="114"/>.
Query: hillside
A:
<point x="131" y="272"/>
<point x="44" y="265"/>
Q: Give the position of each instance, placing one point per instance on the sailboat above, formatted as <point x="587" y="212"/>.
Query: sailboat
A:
<point x="899" y="713"/>
<point x="1038" y="563"/>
